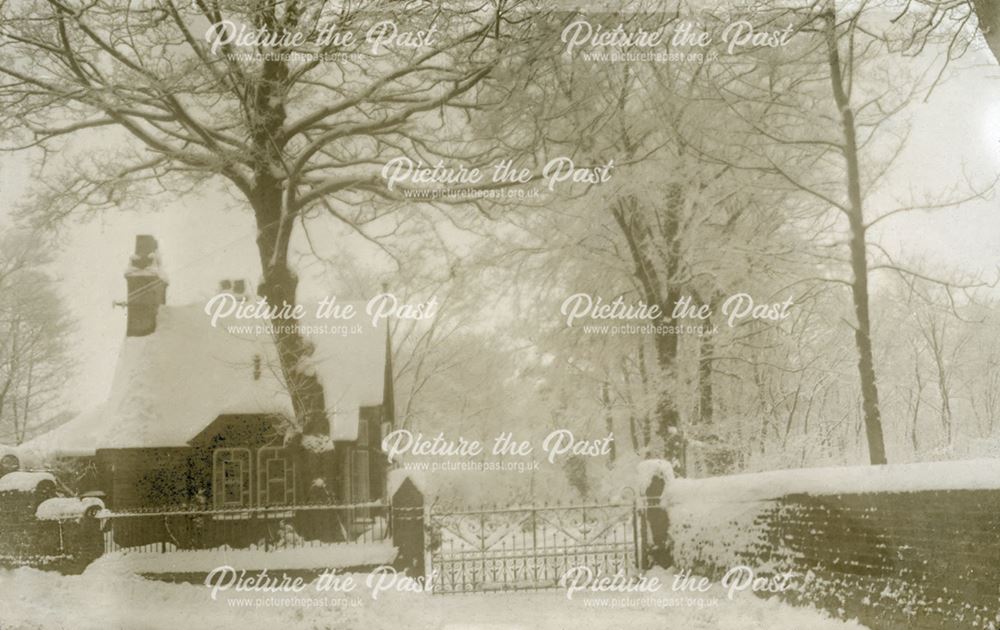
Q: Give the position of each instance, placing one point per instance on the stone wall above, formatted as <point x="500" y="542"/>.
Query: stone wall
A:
<point x="914" y="559"/>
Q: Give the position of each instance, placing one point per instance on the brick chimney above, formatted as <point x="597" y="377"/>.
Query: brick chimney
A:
<point x="147" y="287"/>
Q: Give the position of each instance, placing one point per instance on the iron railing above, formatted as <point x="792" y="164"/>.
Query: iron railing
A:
<point x="161" y="530"/>
<point x="532" y="547"/>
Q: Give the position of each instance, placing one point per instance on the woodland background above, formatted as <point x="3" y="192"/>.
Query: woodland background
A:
<point x="768" y="171"/>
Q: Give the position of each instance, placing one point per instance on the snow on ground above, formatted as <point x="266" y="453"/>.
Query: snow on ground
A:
<point x="976" y="474"/>
<point x="330" y="556"/>
<point x="106" y="597"/>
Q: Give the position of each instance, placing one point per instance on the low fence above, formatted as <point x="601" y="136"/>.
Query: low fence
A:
<point x="499" y="548"/>
<point x="896" y="547"/>
<point x="279" y="527"/>
<point x="38" y="529"/>
<point x="67" y="546"/>
<point x="42" y="530"/>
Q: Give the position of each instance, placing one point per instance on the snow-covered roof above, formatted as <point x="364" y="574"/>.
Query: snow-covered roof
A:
<point x="169" y="385"/>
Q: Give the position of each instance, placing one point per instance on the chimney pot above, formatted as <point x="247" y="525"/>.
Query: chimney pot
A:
<point x="234" y="286"/>
<point x="145" y="245"/>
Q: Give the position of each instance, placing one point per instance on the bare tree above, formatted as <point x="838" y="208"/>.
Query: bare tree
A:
<point x="935" y="334"/>
<point x="34" y="359"/>
<point x="293" y="121"/>
<point x="837" y="148"/>
<point x="854" y="209"/>
<point x="951" y="20"/>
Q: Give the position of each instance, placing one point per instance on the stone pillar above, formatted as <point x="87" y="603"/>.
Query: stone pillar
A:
<point x="658" y="548"/>
<point x="408" y="528"/>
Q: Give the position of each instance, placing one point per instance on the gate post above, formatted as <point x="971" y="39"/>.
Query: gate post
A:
<point x="408" y="528"/>
<point x="656" y="537"/>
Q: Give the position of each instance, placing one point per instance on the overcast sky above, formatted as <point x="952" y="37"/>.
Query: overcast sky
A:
<point x="204" y="238"/>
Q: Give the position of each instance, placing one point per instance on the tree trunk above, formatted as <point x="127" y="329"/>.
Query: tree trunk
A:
<point x="274" y="219"/>
<point x="859" y="257"/>
<point x="664" y="292"/>
<point x="633" y="424"/>
<point x="936" y="344"/>
<point x="647" y="434"/>
<point x="706" y="393"/>
<point x="988" y="13"/>
<point x="667" y="417"/>
<point x="669" y="421"/>
<point x="914" y="439"/>
<point x="608" y="419"/>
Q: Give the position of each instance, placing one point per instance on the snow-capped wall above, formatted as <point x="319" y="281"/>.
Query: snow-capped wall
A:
<point x="912" y="546"/>
<point x="24" y="481"/>
<point x="68" y="508"/>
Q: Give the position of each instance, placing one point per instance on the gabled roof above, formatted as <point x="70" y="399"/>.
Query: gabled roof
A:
<point x="171" y="384"/>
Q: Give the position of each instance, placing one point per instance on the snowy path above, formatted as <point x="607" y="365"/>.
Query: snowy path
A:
<point x="105" y="599"/>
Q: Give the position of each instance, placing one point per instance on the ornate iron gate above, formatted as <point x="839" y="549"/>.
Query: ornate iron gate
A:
<point x="529" y="548"/>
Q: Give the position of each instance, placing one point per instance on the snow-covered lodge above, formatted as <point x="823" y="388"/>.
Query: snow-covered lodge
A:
<point x="199" y="414"/>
